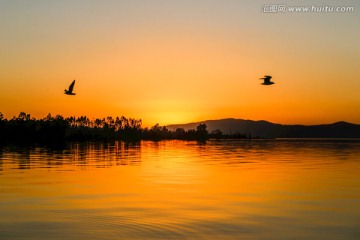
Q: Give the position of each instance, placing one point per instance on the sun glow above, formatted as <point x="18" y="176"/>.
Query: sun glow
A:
<point x="172" y="63"/>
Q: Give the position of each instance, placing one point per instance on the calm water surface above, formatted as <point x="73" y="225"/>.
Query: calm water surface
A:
<point x="274" y="189"/>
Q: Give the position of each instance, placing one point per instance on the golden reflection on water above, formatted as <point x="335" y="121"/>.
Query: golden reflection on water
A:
<point x="181" y="190"/>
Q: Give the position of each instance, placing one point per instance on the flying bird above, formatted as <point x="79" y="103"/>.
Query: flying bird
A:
<point x="71" y="88"/>
<point x="267" y="81"/>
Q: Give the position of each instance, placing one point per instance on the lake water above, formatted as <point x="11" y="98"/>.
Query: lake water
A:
<point x="260" y="189"/>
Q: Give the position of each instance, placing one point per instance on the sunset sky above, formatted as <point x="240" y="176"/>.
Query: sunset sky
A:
<point x="179" y="61"/>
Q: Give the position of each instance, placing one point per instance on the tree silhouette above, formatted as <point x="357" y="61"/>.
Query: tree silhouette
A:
<point x="201" y="132"/>
<point x="216" y="134"/>
<point x="24" y="128"/>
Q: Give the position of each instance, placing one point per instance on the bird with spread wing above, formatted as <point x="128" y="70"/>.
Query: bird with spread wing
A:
<point x="267" y="81"/>
<point x="70" y="90"/>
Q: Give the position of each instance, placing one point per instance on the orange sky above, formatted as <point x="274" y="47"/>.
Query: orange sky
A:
<point x="179" y="61"/>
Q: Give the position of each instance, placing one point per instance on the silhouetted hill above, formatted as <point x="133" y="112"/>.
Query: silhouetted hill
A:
<point x="265" y="129"/>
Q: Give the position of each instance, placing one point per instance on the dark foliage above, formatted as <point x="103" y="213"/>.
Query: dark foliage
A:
<point x="24" y="128"/>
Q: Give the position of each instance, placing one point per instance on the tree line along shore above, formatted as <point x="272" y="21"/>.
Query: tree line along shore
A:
<point x="25" y="128"/>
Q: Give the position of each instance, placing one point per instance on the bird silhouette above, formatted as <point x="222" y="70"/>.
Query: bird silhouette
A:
<point x="71" y="88"/>
<point x="267" y="81"/>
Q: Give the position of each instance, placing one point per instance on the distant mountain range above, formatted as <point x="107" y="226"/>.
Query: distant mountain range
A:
<point x="265" y="129"/>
